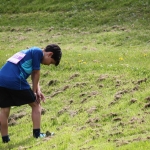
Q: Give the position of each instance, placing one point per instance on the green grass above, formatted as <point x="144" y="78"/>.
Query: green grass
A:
<point x="105" y="50"/>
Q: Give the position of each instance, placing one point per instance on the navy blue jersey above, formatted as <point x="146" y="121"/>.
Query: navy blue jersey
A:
<point x="14" y="75"/>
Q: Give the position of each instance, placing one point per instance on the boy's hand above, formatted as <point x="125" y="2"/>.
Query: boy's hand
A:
<point x="40" y="97"/>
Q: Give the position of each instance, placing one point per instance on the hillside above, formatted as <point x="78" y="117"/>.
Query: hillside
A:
<point x="71" y="14"/>
<point x="98" y="98"/>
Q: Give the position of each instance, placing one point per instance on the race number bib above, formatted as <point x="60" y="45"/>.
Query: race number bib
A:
<point x="16" y="57"/>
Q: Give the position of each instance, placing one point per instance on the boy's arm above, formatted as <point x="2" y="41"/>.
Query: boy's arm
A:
<point x="35" y="76"/>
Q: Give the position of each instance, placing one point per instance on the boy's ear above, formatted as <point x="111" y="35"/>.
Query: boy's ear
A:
<point x="50" y="54"/>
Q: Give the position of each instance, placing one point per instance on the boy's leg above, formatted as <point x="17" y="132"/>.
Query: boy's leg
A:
<point x="4" y="114"/>
<point x="36" y="118"/>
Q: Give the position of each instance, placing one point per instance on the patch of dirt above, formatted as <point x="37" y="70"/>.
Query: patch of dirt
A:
<point x="65" y="88"/>
<point x="52" y="82"/>
<point x="56" y="93"/>
<point x="82" y="84"/>
<point x="147" y="99"/>
<point x="71" y="101"/>
<point x="95" y="125"/>
<point x="62" y="111"/>
<point x="134" y="120"/>
<point x="116" y="133"/>
<point x="82" y="94"/>
<point x="85" y="143"/>
<point x="17" y="116"/>
<point x="112" y="103"/>
<point x="82" y="128"/>
<point x="46" y="74"/>
<point x="60" y="90"/>
<point x="116" y="28"/>
<point x="121" y="92"/>
<point x="93" y="93"/>
<point x="96" y="136"/>
<point x="101" y="86"/>
<point x="121" y="124"/>
<point x="43" y="111"/>
<point x="84" y="48"/>
<point x="93" y="120"/>
<point x="120" y="143"/>
<point x="113" y="114"/>
<point x="102" y="77"/>
<point x="12" y="120"/>
<point x="24" y="148"/>
<point x="28" y="29"/>
<point x="50" y="29"/>
<point x="73" y="113"/>
<point x="139" y="81"/>
<point x="117" y="119"/>
<point x="92" y="109"/>
<point x="136" y="88"/>
<point x="84" y="100"/>
<point x="118" y="83"/>
<point x="147" y="105"/>
<point x="133" y="100"/>
<point x="74" y="76"/>
<point x="137" y="139"/>
<point x="118" y="96"/>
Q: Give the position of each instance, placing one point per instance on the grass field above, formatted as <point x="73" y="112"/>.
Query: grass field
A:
<point x="98" y="98"/>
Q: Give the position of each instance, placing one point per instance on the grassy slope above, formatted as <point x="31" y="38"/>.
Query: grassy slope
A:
<point x="66" y="14"/>
<point x="105" y="50"/>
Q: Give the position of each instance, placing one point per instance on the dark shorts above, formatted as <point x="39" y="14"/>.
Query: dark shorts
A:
<point x="9" y="97"/>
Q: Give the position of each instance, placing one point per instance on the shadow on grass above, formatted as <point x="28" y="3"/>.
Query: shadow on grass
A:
<point x="24" y="144"/>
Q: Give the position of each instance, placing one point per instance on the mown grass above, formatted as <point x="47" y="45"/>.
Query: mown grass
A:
<point x="96" y="98"/>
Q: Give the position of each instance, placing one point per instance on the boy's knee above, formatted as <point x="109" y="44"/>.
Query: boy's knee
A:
<point x="35" y="106"/>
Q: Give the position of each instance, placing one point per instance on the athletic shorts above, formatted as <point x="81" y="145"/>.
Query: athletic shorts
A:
<point x="9" y="97"/>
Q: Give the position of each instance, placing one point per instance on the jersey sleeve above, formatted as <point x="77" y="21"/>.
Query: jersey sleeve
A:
<point x="37" y="56"/>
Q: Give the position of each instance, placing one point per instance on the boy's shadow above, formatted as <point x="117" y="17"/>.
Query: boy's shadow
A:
<point x="23" y="145"/>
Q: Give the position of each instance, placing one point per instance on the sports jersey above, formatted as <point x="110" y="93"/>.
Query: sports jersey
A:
<point x="19" y="67"/>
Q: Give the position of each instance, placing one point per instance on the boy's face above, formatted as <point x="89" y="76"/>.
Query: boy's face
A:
<point x="47" y="60"/>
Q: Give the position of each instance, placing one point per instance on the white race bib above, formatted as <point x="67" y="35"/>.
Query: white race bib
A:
<point x="16" y="57"/>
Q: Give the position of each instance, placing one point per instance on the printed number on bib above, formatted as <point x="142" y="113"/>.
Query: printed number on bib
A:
<point x="16" y="57"/>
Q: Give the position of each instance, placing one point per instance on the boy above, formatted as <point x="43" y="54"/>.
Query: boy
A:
<point x="14" y="89"/>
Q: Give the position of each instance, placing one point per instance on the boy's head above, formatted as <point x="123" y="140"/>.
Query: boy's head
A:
<point x="57" y="54"/>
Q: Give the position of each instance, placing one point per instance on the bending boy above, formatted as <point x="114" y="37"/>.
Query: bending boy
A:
<point x="16" y="91"/>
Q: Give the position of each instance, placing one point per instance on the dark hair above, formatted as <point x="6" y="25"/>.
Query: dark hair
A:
<point x="56" y="52"/>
